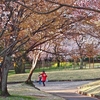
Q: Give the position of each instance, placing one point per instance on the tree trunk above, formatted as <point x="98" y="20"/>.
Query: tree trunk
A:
<point x="0" y="74"/>
<point x="81" y="63"/>
<point x="19" y="66"/>
<point x="89" y="62"/>
<point x="29" y="81"/>
<point x="93" y="62"/>
<point x="58" y="63"/>
<point x="0" y="77"/>
<point x="5" y="69"/>
<point x="35" y="58"/>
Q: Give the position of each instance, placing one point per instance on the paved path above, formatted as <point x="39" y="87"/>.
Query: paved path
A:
<point x="66" y="89"/>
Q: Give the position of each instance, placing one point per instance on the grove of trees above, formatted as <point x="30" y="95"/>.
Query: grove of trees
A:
<point x="32" y="27"/>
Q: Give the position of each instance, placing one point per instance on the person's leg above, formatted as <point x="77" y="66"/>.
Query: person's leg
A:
<point x="43" y="83"/>
<point x="39" y="82"/>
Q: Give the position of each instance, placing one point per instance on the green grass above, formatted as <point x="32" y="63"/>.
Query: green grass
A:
<point x="60" y="75"/>
<point x="20" y="92"/>
<point x="17" y="97"/>
<point x="26" y="92"/>
<point x="64" y="66"/>
<point x="84" y="74"/>
<point x="11" y="72"/>
<point x="67" y="66"/>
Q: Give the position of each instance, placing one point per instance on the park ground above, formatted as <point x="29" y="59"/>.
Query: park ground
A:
<point x="24" y="92"/>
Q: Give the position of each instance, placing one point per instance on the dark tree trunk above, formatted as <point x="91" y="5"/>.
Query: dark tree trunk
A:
<point x="19" y="66"/>
<point x="0" y="74"/>
<point x="58" y="63"/>
<point x="0" y="77"/>
<point x="5" y="69"/>
<point x="89" y="62"/>
<point x="81" y="63"/>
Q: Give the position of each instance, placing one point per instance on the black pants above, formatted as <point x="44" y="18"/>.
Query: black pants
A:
<point x="43" y="83"/>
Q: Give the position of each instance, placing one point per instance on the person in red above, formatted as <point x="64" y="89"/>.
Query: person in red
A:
<point x="44" y="76"/>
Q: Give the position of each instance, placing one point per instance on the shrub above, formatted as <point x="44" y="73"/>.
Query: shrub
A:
<point x="62" y="64"/>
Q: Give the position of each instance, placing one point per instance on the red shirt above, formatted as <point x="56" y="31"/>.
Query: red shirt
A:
<point x="44" y="76"/>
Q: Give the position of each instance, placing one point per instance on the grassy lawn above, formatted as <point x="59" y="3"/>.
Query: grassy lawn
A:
<point x="59" y="75"/>
<point x="16" y="97"/>
<point x="26" y="92"/>
<point x="22" y="90"/>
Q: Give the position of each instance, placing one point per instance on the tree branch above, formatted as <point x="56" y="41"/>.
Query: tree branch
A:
<point x="76" y="7"/>
<point x="37" y="12"/>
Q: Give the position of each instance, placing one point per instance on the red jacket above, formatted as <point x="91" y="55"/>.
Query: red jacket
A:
<point x="44" y="76"/>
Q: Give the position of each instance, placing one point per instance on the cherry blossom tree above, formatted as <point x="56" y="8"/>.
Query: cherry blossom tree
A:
<point x="40" y="20"/>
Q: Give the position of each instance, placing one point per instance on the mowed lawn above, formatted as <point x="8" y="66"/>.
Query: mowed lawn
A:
<point x="61" y="75"/>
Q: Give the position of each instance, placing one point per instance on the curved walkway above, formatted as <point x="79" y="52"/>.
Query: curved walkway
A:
<point x="67" y="89"/>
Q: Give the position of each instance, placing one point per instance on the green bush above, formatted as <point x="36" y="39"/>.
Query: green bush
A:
<point x="62" y="64"/>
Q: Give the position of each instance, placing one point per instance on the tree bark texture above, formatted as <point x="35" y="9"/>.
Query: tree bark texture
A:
<point x="35" y="58"/>
<point x="81" y="63"/>
<point x="5" y="69"/>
